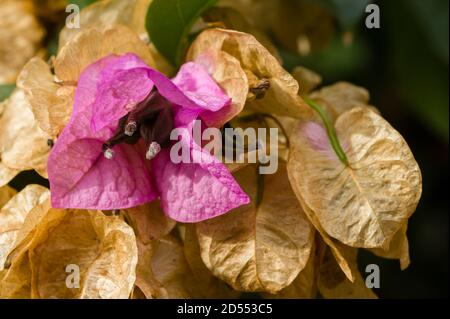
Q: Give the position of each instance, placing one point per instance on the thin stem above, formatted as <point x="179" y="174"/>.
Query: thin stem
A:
<point x="331" y="132"/>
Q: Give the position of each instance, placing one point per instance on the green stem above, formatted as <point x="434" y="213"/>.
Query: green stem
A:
<point x="332" y="136"/>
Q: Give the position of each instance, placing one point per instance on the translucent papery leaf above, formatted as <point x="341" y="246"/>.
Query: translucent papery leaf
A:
<point x="149" y="221"/>
<point x="341" y="97"/>
<point x="23" y="145"/>
<point x="50" y="102"/>
<point x="398" y="248"/>
<point x="14" y="212"/>
<point x="73" y="254"/>
<point x="332" y="282"/>
<point x="130" y="13"/>
<point x="202" y="283"/>
<point x="258" y="248"/>
<point x="91" y="44"/>
<point x="272" y="89"/>
<point x="163" y="270"/>
<point x="305" y="285"/>
<point x="365" y="203"/>
<point x="6" y="193"/>
<point x="20" y="37"/>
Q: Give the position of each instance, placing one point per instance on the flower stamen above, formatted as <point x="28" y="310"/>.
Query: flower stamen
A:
<point x="153" y="150"/>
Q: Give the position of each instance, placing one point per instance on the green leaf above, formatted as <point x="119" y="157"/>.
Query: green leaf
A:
<point x="169" y="22"/>
<point x="347" y="12"/>
<point x="6" y="90"/>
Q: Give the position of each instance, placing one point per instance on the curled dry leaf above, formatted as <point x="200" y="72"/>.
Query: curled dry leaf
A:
<point x="102" y="248"/>
<point x="19" y="39"/>
<point x="308" y="78"/>
<point x="23" y="145"/>
<point x="130" y="13"/>
<point x="91" y="44"/>
<point x="50" y="102"/>
<point x="341" y="252"/>
<point x="6" y="193"/>
<point x="232" y="19"/>
<point x="305" y="285"/>
<point x="169" y="268"/>
<point x="202" y="283"/>
<point x="365" y="203"/>
<point x="14" y="212"/>
<point x="341" y="97"/>
<point x="271" y="88"/>
<point x="332" y="282"/>
<point x="398" y="248"/>
<point x="149" y="221"/>
<point x="258" y="248"/>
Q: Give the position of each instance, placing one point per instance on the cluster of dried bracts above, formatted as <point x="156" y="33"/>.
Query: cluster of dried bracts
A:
<point x="121" y="220"/>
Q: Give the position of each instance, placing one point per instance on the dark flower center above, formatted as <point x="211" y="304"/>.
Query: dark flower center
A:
<point x="151" y="120"/>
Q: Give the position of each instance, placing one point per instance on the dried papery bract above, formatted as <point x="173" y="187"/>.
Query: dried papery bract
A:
<point x="309" y="79"/>
<point x="23" y="145"/>
<point x="13" y="214"/>
<point x="232" y="19"/>
<point x="398" y="248"/>
<point x="340" y="97"/>
<point x="162" y="269"/>
<point x="94" y="43"/>
<point x="149" y="221"/>
<point x="271" y="88"/>
<point x="202" y="283"/>
<point x="305" y="285"/>
<point x="258" y="247"/>
<point x="365" y="203"/>
<point x="6" y="193"/>
<point x="50" y="102"/>
<point x="100" y="249"/>
<point x="333" y="284"/>
<point x="130" y="13"/>
<point x="20" y="37"/>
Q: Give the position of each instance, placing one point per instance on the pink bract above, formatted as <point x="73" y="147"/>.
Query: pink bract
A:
<point x="81" y="177"/>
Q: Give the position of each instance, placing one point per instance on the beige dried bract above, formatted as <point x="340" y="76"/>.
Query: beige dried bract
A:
<point x="130" y="13"/>
<point x="305" y="285"/>
<point x="308" y="79"/>
<point x="6" y="193"/>
<point x="23" y="145"/>
<point x="162" y="269"/>
<point x="341" y="97"/>
<point x="272" y="89"/>
<point x="13" y="214"/>
<point x="333" y="284"/>
<point x="398" y="248"/>
<point x="50" y="102"/>
<point x="363" y="204"/>
<point x="91" y="44"/>
<point x="20" y="37"/>
<point x="149" y="221"/>
<point x="202" y="283"/>
<point x="258" y="248"/>
<point x="102" y="248"/>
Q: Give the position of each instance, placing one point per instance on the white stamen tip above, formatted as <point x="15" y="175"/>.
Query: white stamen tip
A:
<point x="108" y="153"/>
<point x="153" y="150"/>
<point x="130" y="128"/>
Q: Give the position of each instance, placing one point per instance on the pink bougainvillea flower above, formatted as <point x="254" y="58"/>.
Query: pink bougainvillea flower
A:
<point x="115" y="151"/>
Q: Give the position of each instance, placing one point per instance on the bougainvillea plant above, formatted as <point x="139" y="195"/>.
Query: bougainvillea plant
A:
<point x="97" y="121"/>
